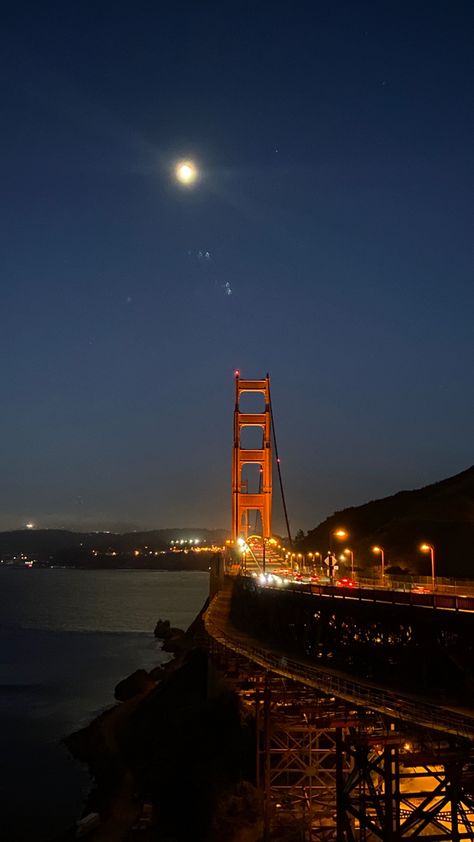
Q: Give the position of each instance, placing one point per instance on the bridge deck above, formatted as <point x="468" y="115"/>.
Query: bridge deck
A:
<point x="401" y="706"/>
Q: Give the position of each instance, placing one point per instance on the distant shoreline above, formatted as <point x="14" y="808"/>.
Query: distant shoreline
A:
<point x="193" y="565"/>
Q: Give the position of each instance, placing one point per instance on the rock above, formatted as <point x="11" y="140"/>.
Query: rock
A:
<point x="162" y="628"/>
<point x="136" y="683"/>
<point x="174" y="641"/>
<point x="157" y="673"/>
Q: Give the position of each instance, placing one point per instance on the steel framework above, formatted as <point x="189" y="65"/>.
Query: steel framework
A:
<point x="342" y="771"/>
<point x="396" y="791"/>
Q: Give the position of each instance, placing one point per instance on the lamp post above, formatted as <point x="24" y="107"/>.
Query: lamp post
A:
<point x="243" y="548"/>
<point x="428" y="548"/>
<point x="351" y="554"/>
<point x="380" y="551"/>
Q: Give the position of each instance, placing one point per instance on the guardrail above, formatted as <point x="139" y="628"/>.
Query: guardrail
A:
<point x="377" y="698"/>
<point x="362" y="592"/>
<point x="441" y="601"/>
<point x="443" y="584"/>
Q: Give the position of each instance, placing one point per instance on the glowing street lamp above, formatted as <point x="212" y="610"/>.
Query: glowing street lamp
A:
<point x="350" y="553"/>
<point x="428" y="548"/>
<point x="381" y="553"/>
<point x="340" y="534"/>
<point x="243" y="548"/>
<point x="265" y="541"/>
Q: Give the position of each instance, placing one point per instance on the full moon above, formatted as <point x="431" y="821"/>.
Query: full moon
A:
<point x="186" y="172"/>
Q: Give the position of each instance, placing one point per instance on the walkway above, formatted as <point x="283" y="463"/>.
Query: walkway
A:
<point x="400" y="706"/>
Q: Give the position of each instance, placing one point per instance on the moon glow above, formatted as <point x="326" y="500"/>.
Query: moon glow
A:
<point x="186" y="172"/>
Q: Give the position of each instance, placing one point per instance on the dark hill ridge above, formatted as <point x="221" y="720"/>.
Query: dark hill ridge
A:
<point x="441" y="514"/>
<point x="45" y="542"/>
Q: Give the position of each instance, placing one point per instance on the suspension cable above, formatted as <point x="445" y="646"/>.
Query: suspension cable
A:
<point x="278" y="465"/>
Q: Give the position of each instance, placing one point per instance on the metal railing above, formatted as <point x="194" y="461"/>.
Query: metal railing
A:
<point x="443" y="584"/>
<point x="369" y="590"/>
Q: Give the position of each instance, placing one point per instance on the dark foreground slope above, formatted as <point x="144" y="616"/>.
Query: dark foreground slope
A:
<point x="441" y="514"/>
<point x="182" y="747"/>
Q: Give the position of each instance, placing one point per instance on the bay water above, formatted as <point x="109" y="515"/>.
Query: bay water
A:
<point x="67" y="637"/>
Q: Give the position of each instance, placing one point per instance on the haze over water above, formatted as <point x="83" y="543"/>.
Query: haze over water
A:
<point x="66" y="638"/>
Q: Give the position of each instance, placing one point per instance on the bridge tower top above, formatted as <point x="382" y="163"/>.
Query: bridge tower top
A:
<point x="243" y="500"/>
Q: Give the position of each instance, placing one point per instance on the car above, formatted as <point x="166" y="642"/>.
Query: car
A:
<point x="346" y="583"/>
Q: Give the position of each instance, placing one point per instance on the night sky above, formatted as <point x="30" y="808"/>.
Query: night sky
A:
<point x="328" y="241"/>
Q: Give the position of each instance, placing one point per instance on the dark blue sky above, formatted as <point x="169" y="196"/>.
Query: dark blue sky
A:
<point x="335" y="142"/>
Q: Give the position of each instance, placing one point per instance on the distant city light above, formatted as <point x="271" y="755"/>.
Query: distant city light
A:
<point x="30" y="526"/>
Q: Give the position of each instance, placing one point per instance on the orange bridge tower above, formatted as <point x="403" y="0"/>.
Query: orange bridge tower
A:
<point x="243" y="501"/>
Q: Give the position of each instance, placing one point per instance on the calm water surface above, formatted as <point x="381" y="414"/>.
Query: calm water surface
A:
<point x="66" y="638"/>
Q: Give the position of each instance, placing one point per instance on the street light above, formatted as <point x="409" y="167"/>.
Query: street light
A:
<point x="266" y="541"/>
<point x="428" y="548"/>
<point x="337" y="533"/>
<point x="243" y="549"/>
<point x="351" y="554"/>
<point x="380" y="551"/>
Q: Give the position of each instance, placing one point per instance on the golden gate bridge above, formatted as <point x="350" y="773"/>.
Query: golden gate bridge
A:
<point x="362" y="696"/>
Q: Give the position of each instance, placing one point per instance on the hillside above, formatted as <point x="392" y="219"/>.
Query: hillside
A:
<point x="42" y="543"/>
<point x="441" y="514"/>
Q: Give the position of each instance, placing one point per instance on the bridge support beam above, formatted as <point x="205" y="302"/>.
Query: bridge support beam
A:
<point x="397" y="790"/>
<point x="334" y="769"/>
